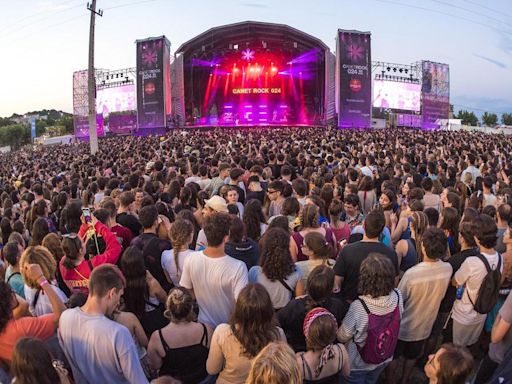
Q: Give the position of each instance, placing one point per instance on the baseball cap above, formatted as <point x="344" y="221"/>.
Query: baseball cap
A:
<point x="217" y="203"/>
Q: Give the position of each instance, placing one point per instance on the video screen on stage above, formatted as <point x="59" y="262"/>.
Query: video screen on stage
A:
<point x="115" y="99"/>
<point x="255" y="87"/>
<point x="396" y="95"/>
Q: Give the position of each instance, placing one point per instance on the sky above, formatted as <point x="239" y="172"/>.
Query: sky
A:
<point x="44" y="41"/>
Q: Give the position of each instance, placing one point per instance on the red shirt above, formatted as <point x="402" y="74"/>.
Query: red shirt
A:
<point x="123" y="234"/>
<point x="42" y="327"/>
<point x="77" y="278"/>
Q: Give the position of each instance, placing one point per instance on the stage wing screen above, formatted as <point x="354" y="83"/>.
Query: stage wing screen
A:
<point x="115" y="99"/>
<point x="396" y="95"/>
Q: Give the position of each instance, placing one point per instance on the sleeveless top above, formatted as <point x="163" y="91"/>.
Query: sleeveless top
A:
<point x="187" y="364"/>
<point x="411" y="257"/>
<point x="299" y="240"/>
<point x="406" y="234"/>
<point x="307" y="372"/>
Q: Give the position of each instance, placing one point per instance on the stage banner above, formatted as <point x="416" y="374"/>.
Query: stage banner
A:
<point x="153" y="83"/>
<point x="33" y="128"/>
<point x="122" y="123"/>
<point x="354" y="68"/>
<point x="82" y="127"/>
<point x="435" y="93"/>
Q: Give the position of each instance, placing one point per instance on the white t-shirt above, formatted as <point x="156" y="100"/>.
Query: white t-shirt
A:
<point x="279" y="294"/>
<point x="216" y="283"/>
<point x="43" y="305"/>
<point x="99" y="350"/>
<point x="471" y="273"/>
<point x="202" y="241"/>
<point x="169" y="265"/>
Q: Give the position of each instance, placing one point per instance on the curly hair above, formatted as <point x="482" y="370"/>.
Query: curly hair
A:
<point x="5" y="304"/>
<point x="276" y="260"/>
<point x="376" y="276"/>
<point x="253" y="218"/>
<point x="38" y="255"/>
<point x="252" y="322"/>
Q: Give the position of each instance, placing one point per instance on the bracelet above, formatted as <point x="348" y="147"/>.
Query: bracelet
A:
<point x="43" y="283"/>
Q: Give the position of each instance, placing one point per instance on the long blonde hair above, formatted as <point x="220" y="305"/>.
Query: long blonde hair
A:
<point x="275" y="364"/>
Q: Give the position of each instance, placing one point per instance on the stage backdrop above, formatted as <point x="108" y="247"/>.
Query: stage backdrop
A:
<point x="435" y="93"/>
<point x="153" y="84"/>
<point x="354" y="94"/>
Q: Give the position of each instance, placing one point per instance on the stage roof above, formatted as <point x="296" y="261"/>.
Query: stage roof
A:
<point x="247" y="31"/>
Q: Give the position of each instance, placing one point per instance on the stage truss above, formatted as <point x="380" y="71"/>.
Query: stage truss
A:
<point x="406" y="73"/>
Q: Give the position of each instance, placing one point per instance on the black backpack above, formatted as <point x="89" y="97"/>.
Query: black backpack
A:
<point x="489" y="289"/>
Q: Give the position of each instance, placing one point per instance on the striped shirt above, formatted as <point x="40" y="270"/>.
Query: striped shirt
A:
<point x="355" y="325"/>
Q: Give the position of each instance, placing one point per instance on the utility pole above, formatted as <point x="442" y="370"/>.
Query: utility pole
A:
<point x="91" y="84"/>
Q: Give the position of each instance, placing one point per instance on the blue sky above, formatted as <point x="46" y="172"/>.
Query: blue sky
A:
<point x="44" y="41"/>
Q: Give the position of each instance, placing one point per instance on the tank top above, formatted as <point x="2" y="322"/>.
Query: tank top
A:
<point x="333" y="379"/>
<point x="411" y="257"/>
<point x="406" y="234"/>
<point x="187" y="364"/>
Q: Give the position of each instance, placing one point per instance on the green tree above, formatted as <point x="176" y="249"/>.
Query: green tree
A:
<point x="41" y="127"/>
<point x="67" y="123"/>
<point x="468" y="118"/>
<point x="15" y="135"/>
<point x="490" y="119"/>
<point x="506" y="118"/>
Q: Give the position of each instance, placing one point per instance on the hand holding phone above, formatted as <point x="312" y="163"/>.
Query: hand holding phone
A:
<point x="86" y="213"/>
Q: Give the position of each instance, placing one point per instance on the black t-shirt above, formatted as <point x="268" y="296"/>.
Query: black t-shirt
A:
<point x="456" y="262"/>
<point x="349" y="262"/>
<point x="152" y="247"/>
<point x="130" y="222"/>
<point x="246" y="251"/>
<point x="256" y="195"/>
<point x="291" y="319"/>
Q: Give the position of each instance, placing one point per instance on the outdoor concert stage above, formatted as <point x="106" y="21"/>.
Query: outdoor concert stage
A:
<point x="260" y="74"/>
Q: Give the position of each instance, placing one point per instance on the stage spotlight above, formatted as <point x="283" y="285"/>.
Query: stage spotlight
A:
<point x="117" y="75"/>
<point x="406" y="70"/>
<point x="235" y="46"/>
<point x="388" y="69"/>
<point x="273" y="69"/>
<point x="401" y="70"/>
<point x="394" y="69"/>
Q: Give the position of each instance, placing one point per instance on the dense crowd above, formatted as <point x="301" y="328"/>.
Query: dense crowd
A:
<point x="286" y="255"/>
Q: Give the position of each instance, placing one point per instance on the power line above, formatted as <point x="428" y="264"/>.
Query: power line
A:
<point x="130" y="4"/>
<point x="471" y="11"/>
<point x="500" y="12"/>
<point x="16" y="28"/>
<point x="33" y="15"/>
<point x="444" y="13"/>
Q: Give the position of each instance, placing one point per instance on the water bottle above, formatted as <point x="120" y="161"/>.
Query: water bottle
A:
<point x="459" y="292"/>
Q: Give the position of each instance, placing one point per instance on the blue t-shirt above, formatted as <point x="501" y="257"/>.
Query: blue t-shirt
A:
<point x="15" y="280"/>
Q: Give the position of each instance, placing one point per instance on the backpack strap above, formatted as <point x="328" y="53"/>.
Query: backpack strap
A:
<point x="364" y="305"/>
<point x="89" y="263"/>
<point x="483" y="259"/>
<point x="284" y="284"/>
<point x="12" y="275"/>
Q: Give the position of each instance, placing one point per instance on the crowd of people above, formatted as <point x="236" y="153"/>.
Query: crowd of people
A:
<point x="283" y="255"/>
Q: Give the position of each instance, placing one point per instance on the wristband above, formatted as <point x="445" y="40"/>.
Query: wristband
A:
<point x="43" y="283"/>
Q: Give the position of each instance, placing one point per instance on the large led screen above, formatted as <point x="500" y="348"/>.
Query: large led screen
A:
<point x="396" y="95"/>
<point x="115" y="99"/>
